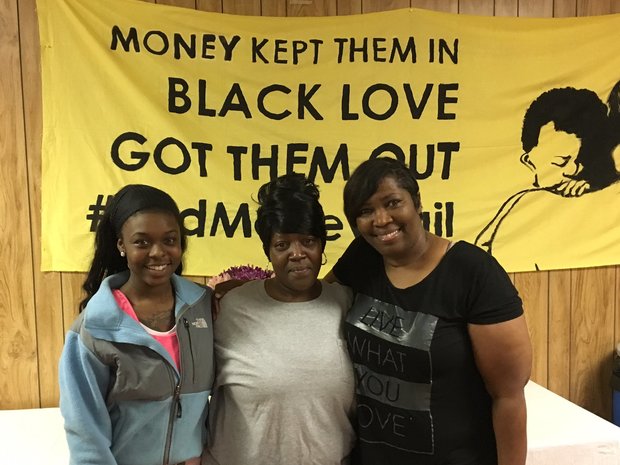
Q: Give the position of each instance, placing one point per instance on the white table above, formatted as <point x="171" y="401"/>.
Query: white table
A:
<point x="562" y="433"/>
<point x="559" y="433"/>
<point x="32" y="437"/>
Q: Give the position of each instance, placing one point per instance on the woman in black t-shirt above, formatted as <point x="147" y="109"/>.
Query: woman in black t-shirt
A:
<point x="437" y="334"/>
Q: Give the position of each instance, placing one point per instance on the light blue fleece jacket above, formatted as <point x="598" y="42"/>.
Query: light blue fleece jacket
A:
<point x="122" y="398"/>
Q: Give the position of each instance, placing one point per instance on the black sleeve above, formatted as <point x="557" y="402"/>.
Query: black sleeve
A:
<point x="492" y="297"/>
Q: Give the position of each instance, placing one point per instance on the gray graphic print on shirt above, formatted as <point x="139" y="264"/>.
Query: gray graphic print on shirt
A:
<point x="390" y="349"/>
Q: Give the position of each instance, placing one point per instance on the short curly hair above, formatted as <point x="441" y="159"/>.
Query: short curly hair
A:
<point x="289" y="204"/>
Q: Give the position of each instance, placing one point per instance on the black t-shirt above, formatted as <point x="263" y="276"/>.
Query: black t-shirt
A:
<point x="420" y="397"/>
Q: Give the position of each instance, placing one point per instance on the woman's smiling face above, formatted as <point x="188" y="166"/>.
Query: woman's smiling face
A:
<point x="389" y="220"/>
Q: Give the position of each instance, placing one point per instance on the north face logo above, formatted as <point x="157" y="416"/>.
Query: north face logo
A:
<point x="200" y="323"/>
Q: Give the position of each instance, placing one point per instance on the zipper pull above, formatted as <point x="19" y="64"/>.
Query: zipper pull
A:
<point x="177" y="395"/>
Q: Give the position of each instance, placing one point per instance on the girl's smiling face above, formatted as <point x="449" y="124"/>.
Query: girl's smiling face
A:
<point x="151" y="241"/>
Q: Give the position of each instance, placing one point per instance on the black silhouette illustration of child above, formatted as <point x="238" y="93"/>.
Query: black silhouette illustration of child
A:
<point x="569" y="138"/>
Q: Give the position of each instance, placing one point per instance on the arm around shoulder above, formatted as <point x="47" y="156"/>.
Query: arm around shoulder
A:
<point x="330" y="277"/>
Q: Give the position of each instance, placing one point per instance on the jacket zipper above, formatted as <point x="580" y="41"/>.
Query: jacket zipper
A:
<point x="191" y="349"/>
<point x="175" y="412"/>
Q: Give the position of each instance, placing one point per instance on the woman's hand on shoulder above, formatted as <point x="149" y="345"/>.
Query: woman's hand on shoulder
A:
<point x="220" y="290"/>
<point x="330" y="277"/>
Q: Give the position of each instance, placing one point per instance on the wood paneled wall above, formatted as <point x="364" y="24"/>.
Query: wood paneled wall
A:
<point x="573" y="315"/>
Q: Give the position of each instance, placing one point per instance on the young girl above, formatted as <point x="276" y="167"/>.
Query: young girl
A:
<point x="137" y="367"/>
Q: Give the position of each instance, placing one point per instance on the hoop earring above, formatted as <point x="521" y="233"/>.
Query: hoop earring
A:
<point x="324" y="261"/>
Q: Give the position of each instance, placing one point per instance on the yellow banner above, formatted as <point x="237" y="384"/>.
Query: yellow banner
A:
<point x="511" y="125"/>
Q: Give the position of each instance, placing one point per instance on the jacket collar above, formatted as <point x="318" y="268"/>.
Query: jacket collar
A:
<point x="103" y="312"/>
